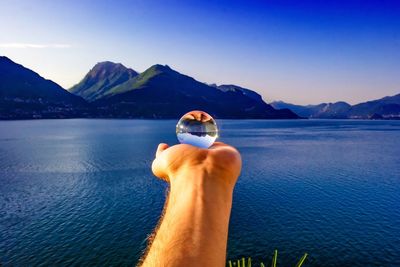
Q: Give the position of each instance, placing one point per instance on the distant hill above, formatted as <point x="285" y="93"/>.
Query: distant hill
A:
<point x="302" y="111"/>
<point x="161" y="92"/>
<point x="114" y="91"/>
<point x="103" y="77"/>
<point x="384" y="108"/>
<point x="387" y="107"/>
<point x="336" y="110"/>
<point x="25" y="94"/>
<point x="244" y="91"/>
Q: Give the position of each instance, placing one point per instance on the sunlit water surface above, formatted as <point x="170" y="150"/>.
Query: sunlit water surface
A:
<point x="81" y="192"/>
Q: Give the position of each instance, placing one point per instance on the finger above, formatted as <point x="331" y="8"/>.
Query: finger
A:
<point x="206" y="119"/>
<point x="203" y="117"/>
<point x="218" y="145"/>
<point x="189" y="117"/>
<point x="197" y="115"/>
<point x="158" y="169"/>
<point x="161" y="147"/>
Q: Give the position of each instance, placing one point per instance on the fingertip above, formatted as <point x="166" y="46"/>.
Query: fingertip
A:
<point x="190" y="116"/>
<point x="158" y="169"/>
<point x="218" y="144"/>
<point x="161" y="147"/>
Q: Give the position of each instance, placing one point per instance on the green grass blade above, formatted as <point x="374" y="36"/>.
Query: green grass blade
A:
<point x="301" y="261"/>
<point x="242" y="262"/>
<point x="275" y="258"/>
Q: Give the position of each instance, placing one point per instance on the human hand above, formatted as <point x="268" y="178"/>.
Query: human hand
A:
<point x="194" y="225"/>
<point x="220" y="164"/>
<point x="198" y="115"/>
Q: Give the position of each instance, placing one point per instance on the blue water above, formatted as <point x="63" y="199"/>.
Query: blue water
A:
<point x="81" y="192"/>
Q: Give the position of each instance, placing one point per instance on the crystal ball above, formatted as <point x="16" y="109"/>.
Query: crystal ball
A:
<point x="197" y="128"/>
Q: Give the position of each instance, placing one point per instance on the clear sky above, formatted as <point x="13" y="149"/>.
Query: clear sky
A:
<point x="303" y="52"/>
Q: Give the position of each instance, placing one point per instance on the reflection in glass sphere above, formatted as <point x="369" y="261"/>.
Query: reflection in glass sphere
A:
<point x="197" y="128"/>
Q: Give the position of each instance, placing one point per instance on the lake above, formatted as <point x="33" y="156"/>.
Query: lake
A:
<point x="81" y="192"/>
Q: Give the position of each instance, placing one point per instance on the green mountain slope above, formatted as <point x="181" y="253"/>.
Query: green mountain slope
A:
<point x="161" y="92"/>
<point x="16" y="81"/>
<point x="25" y="94"/>
<point x="103" y="77"/>
<point x="138" y="81"/>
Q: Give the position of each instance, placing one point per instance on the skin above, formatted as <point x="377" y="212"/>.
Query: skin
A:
<point x="194" y="228"/>
<point x="198" y="115"/>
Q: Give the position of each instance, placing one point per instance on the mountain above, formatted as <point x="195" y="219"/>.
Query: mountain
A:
<point x="244" y="91"/>
<point x="25" y="94"/>
<point x="387" y="107"/>
<point x="384" y="108"/>
<point x="161" y="92"/>
<point x="336" y="110"/>
<point x="302" y="111"/>
<point x="101" y="78"/>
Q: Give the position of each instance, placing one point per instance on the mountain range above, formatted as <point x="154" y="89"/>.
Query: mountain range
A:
<point x="384" y="108"/>
<point x="111" y="90"/>
<point x="161" y="92"/>
<point x="101" y="79"/>
<point x="24" y="94"/>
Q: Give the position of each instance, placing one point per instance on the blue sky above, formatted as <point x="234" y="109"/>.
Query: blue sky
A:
<point x="302" y="52"/>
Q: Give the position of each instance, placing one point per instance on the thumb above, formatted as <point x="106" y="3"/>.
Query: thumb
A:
<point x="161" y="147"/>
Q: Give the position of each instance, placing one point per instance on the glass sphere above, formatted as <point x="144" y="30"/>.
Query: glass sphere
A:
<point x="197" y="128"/>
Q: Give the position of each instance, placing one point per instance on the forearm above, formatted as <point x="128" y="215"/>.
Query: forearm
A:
<point x="194" y="229"/>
